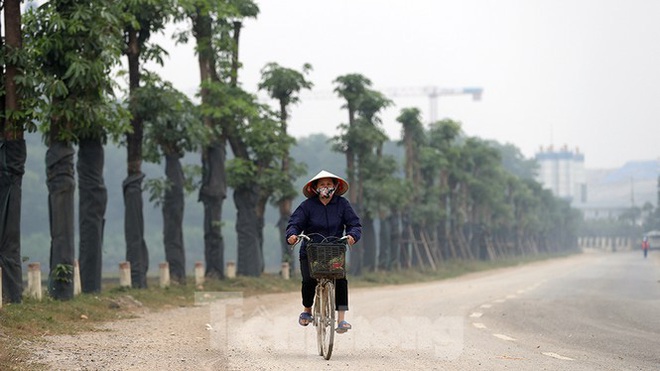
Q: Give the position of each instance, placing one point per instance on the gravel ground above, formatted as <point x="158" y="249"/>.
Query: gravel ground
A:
<point x="409" y="327"/>
<point x="234" y="333"/>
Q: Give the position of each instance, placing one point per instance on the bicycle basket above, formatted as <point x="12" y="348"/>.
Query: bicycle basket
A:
<point x="327" y="260"/>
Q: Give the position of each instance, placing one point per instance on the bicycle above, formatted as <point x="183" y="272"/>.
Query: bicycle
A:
<point x="327" y="262"/>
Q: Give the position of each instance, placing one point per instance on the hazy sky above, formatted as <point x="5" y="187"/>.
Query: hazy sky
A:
<point x="581" y="73"/>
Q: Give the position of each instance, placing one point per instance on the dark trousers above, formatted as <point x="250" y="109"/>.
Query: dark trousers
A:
<point x="309" y="287"/>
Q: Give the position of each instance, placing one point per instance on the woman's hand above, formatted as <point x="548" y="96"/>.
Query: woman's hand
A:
<point x="350" y="240"/>
<point x="292" y="239"/>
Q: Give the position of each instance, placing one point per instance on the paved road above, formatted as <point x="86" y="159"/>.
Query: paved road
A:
<point x="595" y="311"/>
<point x="600" y="314"/>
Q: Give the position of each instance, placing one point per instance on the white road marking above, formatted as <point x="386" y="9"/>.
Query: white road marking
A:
<point x="478" y="325"/>
<point x="476" y="315"/>
<point x="555" y="355"/>
<point x="486" y="305"/>
<point x="504" y="337"/>
<point x="509" y="357"/>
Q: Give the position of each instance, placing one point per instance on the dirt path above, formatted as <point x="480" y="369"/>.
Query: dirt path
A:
<point x="424" y="326"/>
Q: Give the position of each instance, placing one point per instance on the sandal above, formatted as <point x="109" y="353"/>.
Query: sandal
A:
<point x="343" y="327"/>
<point x="305" y="318"/>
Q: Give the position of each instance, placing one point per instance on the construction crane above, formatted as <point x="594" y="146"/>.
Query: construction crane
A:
<point x="433" y="93"/>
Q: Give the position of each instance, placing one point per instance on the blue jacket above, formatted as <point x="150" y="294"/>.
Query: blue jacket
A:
<point x="314" y="219"/>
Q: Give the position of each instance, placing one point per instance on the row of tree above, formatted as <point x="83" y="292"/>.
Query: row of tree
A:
<point x="455" y="199"/>
<point x="460" y="197"/>
<point x="58" y="60"/>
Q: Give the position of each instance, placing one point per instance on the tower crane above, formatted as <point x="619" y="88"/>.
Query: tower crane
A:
<point x="433" y="93"/>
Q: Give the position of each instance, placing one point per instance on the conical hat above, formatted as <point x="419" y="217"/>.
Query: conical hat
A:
<point x="342" y="185"/>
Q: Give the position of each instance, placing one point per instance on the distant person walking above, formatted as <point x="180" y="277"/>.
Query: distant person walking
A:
<point x="645" y="246"/>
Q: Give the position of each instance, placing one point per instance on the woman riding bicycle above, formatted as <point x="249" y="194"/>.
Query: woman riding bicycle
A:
<point x="325" y="213"/>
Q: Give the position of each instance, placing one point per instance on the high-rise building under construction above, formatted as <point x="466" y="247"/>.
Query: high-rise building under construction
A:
<point x="562" y="171"/>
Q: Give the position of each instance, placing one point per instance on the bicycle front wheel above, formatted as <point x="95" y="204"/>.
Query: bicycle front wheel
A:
<point x="327" y="324"/>
<point x="318" y="317"/>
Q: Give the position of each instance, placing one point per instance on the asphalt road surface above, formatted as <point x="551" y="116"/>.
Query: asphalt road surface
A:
<point x="594" y="311"/>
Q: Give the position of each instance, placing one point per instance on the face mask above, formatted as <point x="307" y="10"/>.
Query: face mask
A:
<point x="325" y="192"/>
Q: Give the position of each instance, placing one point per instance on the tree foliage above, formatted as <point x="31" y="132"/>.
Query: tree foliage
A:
<point x="75" y="45"/>
<point x="172" y="128"/>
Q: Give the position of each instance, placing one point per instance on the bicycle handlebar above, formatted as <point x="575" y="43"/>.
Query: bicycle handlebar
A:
<point x="303" y="236"/>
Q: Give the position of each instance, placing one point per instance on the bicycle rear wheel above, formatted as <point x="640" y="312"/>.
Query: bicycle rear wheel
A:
<point x="327" y="324"/>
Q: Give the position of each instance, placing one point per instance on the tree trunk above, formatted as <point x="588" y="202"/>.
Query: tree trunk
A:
<point x="261" y="223"/>
<point x="519" y="241"/>
<point x="3" y="93"/>
<point x="405" y="251"/>
<point x="12" y="165"/>
<point x="357" y="255"/>
<point x="500" y="249"/>
<point x="429" y="248"/>
<point x="437" y="252"/>
<point x="451" y="246"/>
<point x="416" y="242"/>
<point x="249" y="260"/>
<point x="93" y="200"/>
<point x="136" y="247"/>
<point x="234" y="55"/>
<point x="410" y="157"/>
<point x="359" y="195"/>
<point x="12" y="130"/>
<point x="214" y="186"/>
<point x="173" y="207"/>
<point x="395" y="241"/>
<point x="61" y="186"/>
<point x="249" y="227"/>
<point x="12" y="168"/>
<point x="13" y="43"/>
<point x="212" y="195"/>
<point x="350" y="160"/>
<point x="368" y="243"/>
<point x="287" y="251"/>
<point x="464" y="246"/>
<point x="286" y="203"/>
<point x="384" y="243"/>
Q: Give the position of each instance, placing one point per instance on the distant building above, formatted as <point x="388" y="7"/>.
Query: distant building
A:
<point x="563" y="173"/>
<point x="602" y="212"/>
